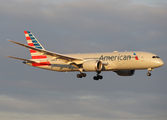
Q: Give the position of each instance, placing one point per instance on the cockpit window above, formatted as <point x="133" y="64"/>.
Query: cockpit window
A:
<point x="155" y="57"/>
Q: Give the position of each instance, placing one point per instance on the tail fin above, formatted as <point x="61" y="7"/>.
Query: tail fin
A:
<point x="33" y="42"/>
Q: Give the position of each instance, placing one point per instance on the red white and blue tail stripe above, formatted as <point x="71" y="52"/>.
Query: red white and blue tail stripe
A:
<point x="33" y="42"/>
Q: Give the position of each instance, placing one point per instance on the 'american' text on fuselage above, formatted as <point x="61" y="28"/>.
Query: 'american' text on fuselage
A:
<point x="115" y="58"/>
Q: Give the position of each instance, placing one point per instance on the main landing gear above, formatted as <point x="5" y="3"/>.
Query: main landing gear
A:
<point x="81" y="75"/>
<point x="97" y="77"/>
<point x="149" y="69"/>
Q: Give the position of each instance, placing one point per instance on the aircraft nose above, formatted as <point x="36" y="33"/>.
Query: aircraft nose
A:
<point x="159" y="63"/>
<point x="162" y="63"/>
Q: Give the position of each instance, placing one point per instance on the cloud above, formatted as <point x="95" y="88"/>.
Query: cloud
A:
<point x="102" y="23"/>
<point x="10" y="104"/>
<point x="133" y="106"/>
<point x="24" y="116"/>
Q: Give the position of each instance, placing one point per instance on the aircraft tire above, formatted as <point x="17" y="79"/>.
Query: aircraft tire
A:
<point x="83" y="74"/>
<point x="79" y="76"/>
<point x="96" y="78"/>
<point x="100" y="77"/>
<point x="148" y="74"/>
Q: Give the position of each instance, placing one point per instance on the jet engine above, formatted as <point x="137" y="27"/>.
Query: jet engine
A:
<point x="92" y="65"/>
<point x="125" y="72"/>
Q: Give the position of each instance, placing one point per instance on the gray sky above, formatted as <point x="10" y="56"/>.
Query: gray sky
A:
<point x="82" y="26"/>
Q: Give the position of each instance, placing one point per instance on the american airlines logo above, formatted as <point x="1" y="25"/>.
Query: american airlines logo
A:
<point x="136" y="57"/>
<point x="118" y="57"/>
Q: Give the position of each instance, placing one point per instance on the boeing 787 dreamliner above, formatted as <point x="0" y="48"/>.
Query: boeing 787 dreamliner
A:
<point x="123" y="63"/>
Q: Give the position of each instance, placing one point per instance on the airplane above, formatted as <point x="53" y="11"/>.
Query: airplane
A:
<point x="122" y="63"/>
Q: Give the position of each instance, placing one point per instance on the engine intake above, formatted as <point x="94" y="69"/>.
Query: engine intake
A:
<point x="125" y="72"/>
<point x="92" y="65"/>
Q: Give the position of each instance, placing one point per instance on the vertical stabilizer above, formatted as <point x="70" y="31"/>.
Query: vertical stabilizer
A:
<point x="33" y="42"/>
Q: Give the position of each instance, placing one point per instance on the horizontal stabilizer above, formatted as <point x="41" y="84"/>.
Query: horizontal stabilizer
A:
<point x="31" y="61"/>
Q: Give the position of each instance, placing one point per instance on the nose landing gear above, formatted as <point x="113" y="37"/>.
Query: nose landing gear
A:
<point x="149" y="69"/>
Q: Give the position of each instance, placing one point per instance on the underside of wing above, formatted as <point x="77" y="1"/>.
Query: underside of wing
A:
<point x="65" y="58"/>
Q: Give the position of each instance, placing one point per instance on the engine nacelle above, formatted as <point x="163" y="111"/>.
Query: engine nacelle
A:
<point x="125" y="72"/>
<point x="92" y="65"/>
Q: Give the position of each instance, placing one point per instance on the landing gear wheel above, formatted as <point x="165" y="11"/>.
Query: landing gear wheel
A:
<point x="81" y="75"/>
<point x="148" y="74"/>
<point x="96" y="78"/>
<point x="100" y="77"/>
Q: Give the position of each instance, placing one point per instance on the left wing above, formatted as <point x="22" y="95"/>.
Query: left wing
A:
<point x="67" y="59"/>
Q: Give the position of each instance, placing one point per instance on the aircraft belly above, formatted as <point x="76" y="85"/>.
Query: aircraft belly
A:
<point x="126" y="65"/>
